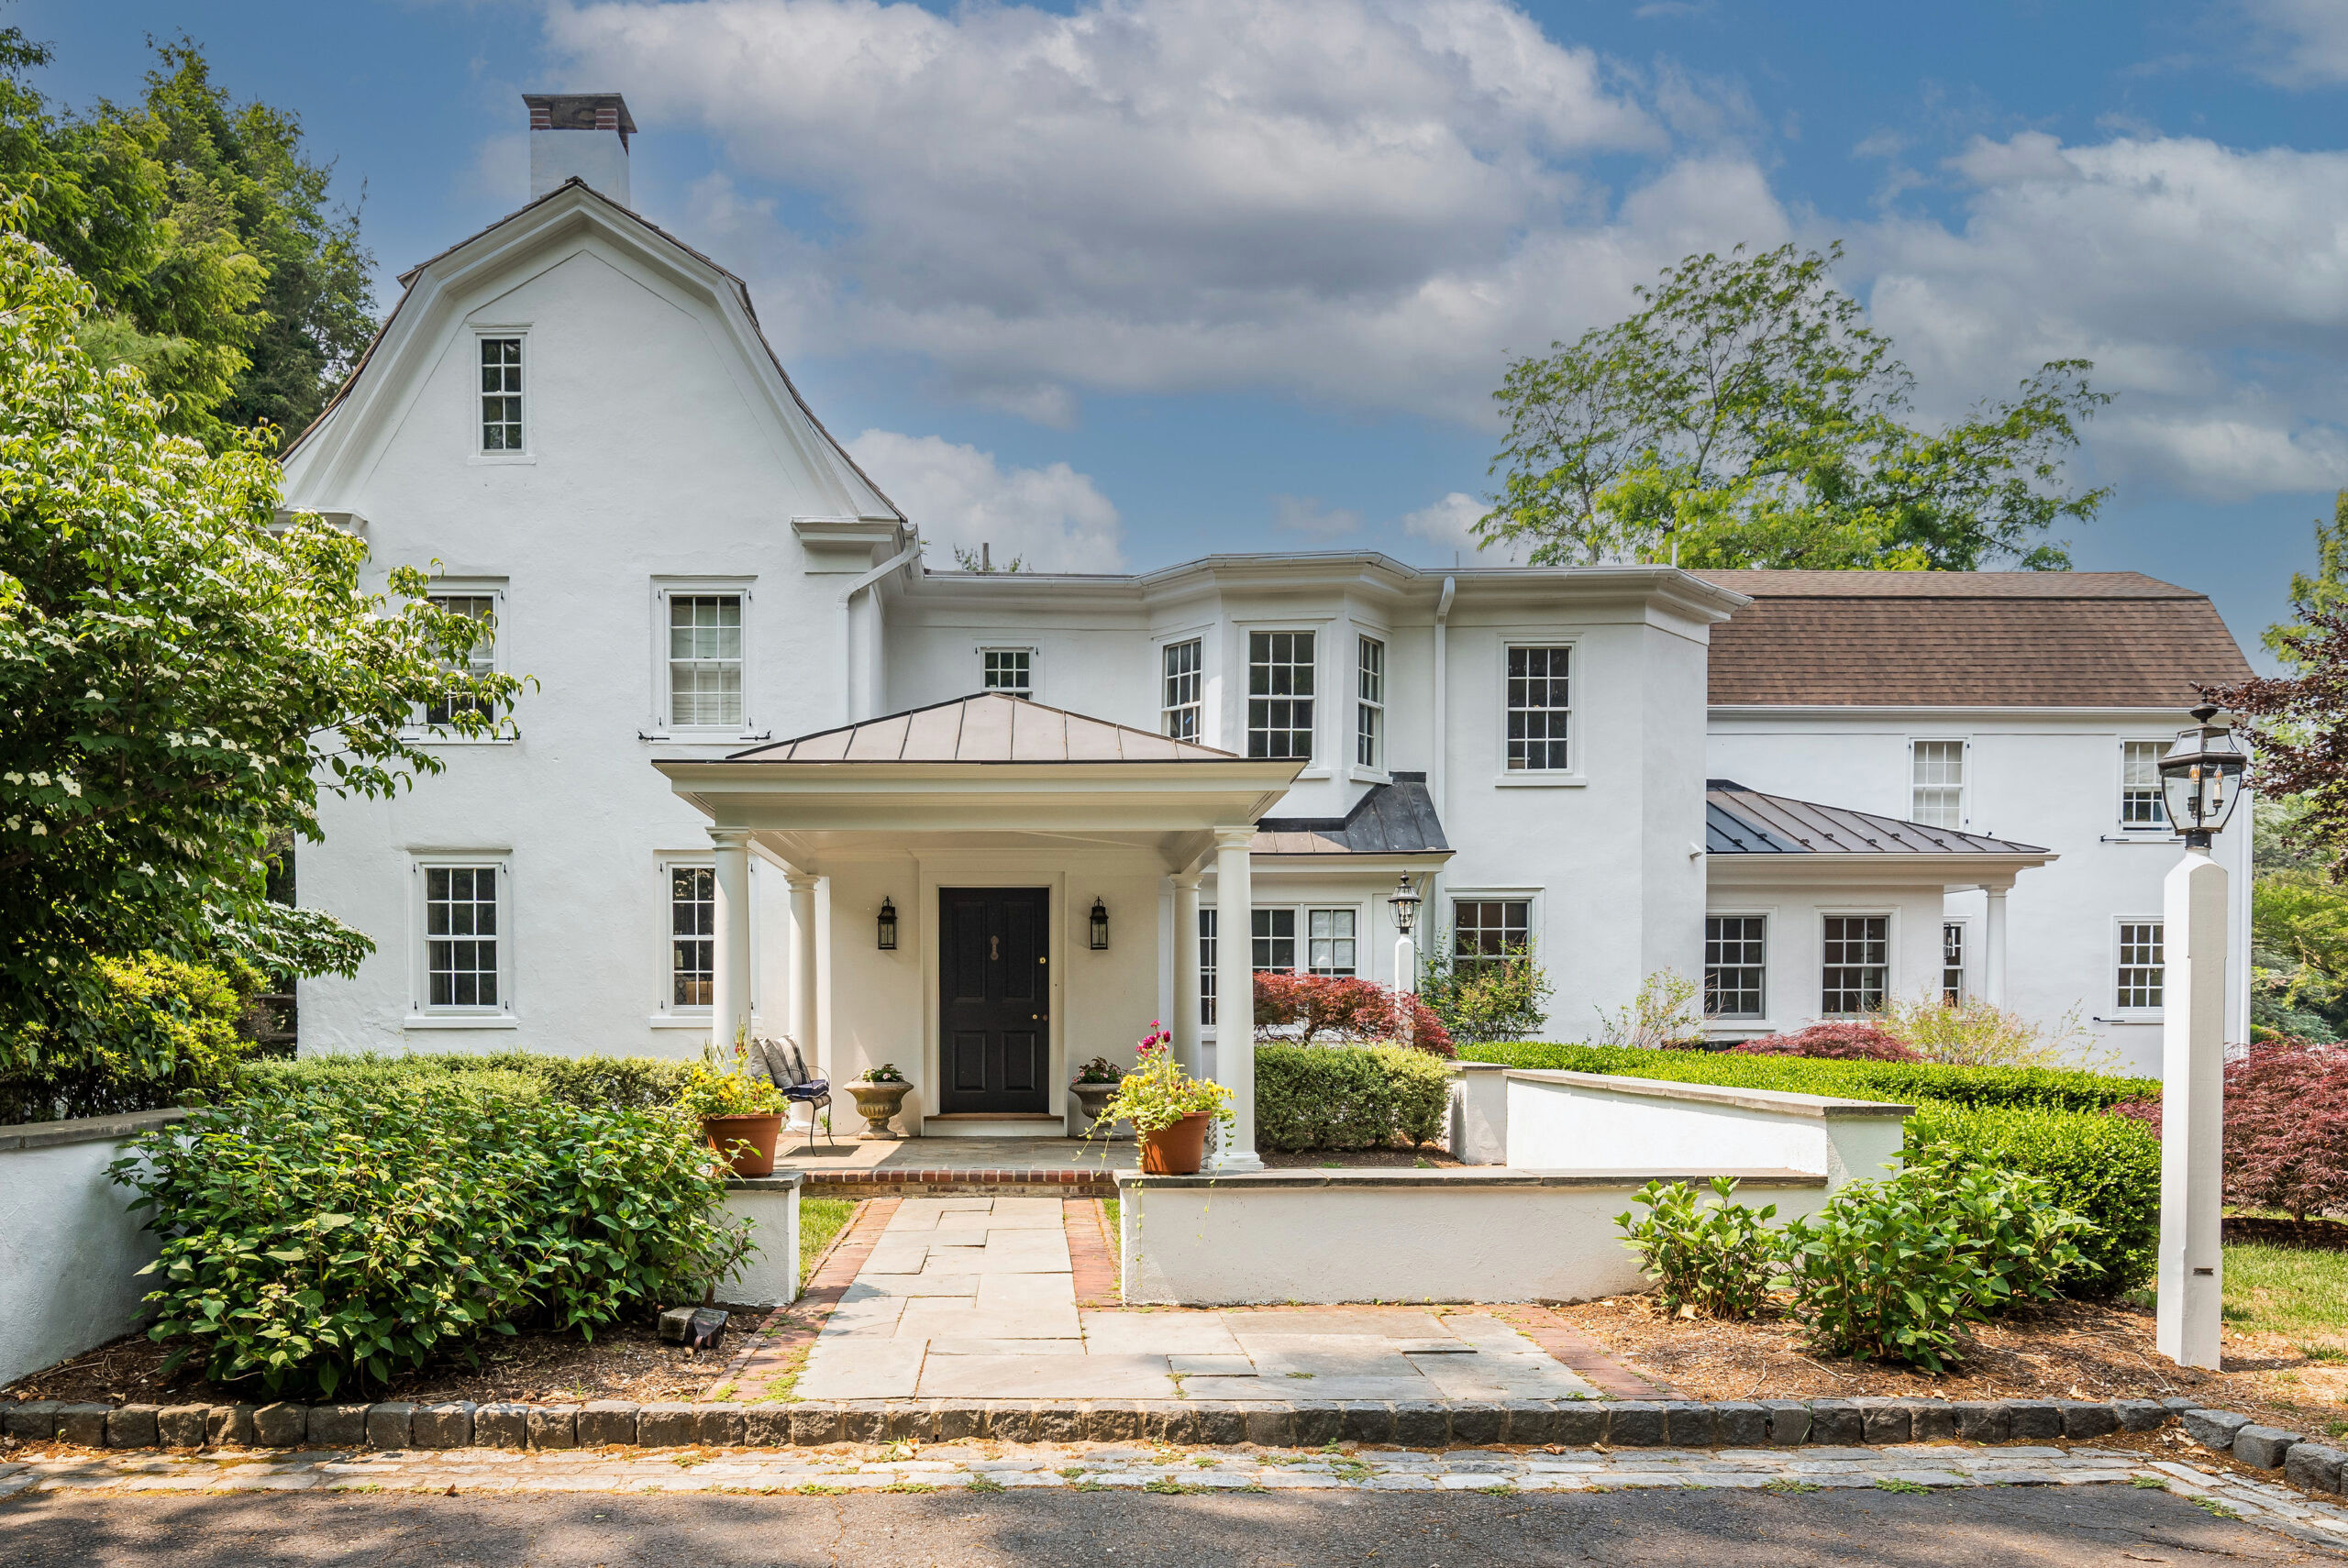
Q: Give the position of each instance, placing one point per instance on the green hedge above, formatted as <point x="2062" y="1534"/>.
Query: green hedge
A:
<point x="2106" y="1169"/>
<point x="637" y="1082"/>
<point x="1347" y="1097"/>
<point x="1913" y="1083"/>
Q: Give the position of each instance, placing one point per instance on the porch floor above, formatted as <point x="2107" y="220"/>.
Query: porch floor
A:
<point x="1090" y="1155"/>
<point x="977" y="1297"/>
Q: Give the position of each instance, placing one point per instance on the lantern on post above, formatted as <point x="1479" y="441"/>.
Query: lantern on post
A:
<point x="1405" y="903"/>
<point x="1099" y="926"/>
<point x="888" y="926"/>
<point x="2201" y="777"/>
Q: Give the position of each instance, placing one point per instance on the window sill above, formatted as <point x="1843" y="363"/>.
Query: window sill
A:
<point x="703" y="737"/>
<point x="1306" y="775"/>
<point x="1529" y="781"/>
<point x="2133" y="1018"/>
<point x="460" y="1020"/>
<point x="1361" y="775"/>
<point x="504" y="460"/>
<point x="678" y="1021"/>
<point x="459" y="740"/>
<point x="2143" y="835"/>
<point x="1739" y="1026"/>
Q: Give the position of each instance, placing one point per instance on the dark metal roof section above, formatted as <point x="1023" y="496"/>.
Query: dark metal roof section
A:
<point x="1391" y="818"/>
<point x="1738" y="821"/>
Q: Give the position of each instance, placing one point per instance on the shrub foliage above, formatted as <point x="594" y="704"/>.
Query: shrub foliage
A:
<point x="635" y="1082"/>
<point x="2286" y="1126"/>
<point x="1715" y="1259"/>
<point x="1909" y="1082"/>
<point x="2105" y="1169"/>
<point x="1347" y="1097"/>
<point x="1306" y="1009"/>
<point x="1844" y="1041"/>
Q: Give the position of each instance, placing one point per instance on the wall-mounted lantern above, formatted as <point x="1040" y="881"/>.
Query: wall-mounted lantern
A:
<point x="888" y="926"/>
<point x="1099" y="926"/>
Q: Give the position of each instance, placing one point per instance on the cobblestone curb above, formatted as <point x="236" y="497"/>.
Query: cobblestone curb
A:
<point x="1621" y="1423"/>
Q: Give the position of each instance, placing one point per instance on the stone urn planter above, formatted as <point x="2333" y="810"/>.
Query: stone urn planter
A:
<point x="1090" y="1097"/>
<point x="1178" y="1148"/>
<point x="744" y="1144"/>
<point x="877" y="1103"/>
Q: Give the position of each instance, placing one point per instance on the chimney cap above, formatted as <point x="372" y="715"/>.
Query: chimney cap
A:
<point x="577" y="111"/>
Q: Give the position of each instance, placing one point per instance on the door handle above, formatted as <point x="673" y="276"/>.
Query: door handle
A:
<point x="994" y="949"/>
<point x="1038" y="1018"/>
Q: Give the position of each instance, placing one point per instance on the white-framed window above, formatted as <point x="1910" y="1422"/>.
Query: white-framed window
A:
<point x="1275" y="941"/>
<point x="1206" y="965"/>
<point x="2143" y="969"/>
<point x="1937" y="783"/>
<point x="2142" y="807"/>
<point x="1539" y="714"/>
<point x="480" y="605"/>
<point x="1736" y="966"/>
<point x="1329" y="946"/>
<point x="1486" y="931"/>
<point x="463" y="949"/>
<point x="1302" y="939"/>
<point x="1180" y="681"/>
<point x="693" y="937"/>
<point x="1280" y="694"/>
<point x="1856" y="972"/>
<point x="702" y="637"/>
<point x="1952" y="962"/>
<point x="1370" y="705"/>
<point x="501" y="394"/>
<point x="1011" y="671"/>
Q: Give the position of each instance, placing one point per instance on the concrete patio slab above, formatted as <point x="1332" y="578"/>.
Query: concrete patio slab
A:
<point x="1047" y="1377"/>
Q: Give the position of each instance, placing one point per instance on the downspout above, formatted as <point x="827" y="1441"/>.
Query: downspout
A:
<point x="1439" y="765"/>
<point x="848" y="625"/>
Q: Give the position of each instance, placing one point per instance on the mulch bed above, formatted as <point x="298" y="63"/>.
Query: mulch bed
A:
<point x="2281" y="1231"/>
<point x="628" y="1361"/>
<point x="2064" y="1350"/>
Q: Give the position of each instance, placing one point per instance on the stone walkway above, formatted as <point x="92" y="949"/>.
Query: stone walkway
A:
<point x="977" y="1297"/>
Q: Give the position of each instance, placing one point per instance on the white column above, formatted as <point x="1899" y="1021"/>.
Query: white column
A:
<point x="1188" y="1049"/>
<point x="1993" y="949"/>
<point x="1235" y="995"/>
<point x="730" y="984"/>
<point x="2192" y="1085"/>
<point x="802" y="969"/>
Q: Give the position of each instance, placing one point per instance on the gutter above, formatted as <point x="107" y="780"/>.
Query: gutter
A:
<point x="847" y="624"/>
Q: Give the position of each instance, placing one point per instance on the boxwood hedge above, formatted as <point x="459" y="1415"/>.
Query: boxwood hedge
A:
<point x="1347" y="1097"/>
<point x="634" y="1082"/>
<point x="1913" y="1083"/>
<point x="2105" y="1169"/>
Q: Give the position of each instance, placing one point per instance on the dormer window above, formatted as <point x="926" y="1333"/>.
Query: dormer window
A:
<point x="501" y="394"/>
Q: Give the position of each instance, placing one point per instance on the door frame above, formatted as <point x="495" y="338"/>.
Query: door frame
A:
<point x="1047" y="992"/>
<point x="934" y="873"/>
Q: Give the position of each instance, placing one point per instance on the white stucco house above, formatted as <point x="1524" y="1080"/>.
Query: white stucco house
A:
<point x="775" y="769"/>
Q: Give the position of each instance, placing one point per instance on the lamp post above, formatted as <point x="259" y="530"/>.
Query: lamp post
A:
<point x="2200" y="780"/>
<point x="1406" y="902"/>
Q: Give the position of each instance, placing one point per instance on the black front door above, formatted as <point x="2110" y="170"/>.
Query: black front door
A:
<point x="995" y="1010"/>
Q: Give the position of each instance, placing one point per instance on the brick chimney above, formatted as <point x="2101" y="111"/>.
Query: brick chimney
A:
<point x="582" y="134"/>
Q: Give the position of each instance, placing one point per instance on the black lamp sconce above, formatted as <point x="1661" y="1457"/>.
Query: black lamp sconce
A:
<point x="1099" y="926"/>
<point x="888" y="926"/>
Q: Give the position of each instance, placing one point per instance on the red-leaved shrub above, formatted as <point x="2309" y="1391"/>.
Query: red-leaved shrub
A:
<point x="2286" y="1126"/>
<point x="1349" y="1010"/>
<point x="1834" y="1043"/>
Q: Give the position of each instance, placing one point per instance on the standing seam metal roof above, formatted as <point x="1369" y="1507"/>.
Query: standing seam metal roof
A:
<point x="985" y="728"/>
<point x="1738" y="821"/>
<point x="1391" y="819"/>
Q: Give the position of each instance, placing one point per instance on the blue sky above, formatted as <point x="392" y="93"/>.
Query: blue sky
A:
<point x="1115" y="284"/>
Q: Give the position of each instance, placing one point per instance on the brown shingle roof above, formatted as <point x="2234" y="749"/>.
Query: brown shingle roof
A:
<point x="1945" y="639"/>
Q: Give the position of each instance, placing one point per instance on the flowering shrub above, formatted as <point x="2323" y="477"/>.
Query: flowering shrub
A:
<point x="725" y="1086"/>
<point x="1850" y="1042"/>
<point x="2287" y="1127"/>
<point x="1303" y="1010"/>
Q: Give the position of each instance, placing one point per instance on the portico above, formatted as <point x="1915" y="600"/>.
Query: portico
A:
<point x="990" y="826"/>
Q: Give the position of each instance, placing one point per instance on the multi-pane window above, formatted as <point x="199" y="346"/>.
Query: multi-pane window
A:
<point x="1275" y="943"/>
<point x="693" y="936"/>
<point x="1370" y="705"/>
<point x="1937" y="783"/>
<point x="705" y="659"/>
<point x="1329" y="942"/>
<point x="2140" y="805"/>
<point x="1487" y="931"/>
<point x="1279" y="695"/>
<point x="460" y="935"/>
<point x="480" y="659"/>
<point x="1736" y="966"/>
<point x="1179" y="694"/>
<point x="2142" y="966"/>
<point x="1952" y="962"/>
<point x="1206" y="967"/>
<point x="501" y="394"/>
<point x="1857" y="966"/>
<point x="1540" y="715"/>
<point x="1011" y="671"/>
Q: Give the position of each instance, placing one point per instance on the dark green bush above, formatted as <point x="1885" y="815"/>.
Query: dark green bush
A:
<point x="1910" y="1082"/>
<point x="1347" y="1097"/>
<point x="2105" y="1169"/>
<point x="343" y="1232"/>
<point x="636" y="1081"/>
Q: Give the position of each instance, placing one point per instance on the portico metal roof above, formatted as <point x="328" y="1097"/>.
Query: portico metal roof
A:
<point x="986" y="727"/>
<point x="1391" y="819"/>
<point x="1738" y="821"/>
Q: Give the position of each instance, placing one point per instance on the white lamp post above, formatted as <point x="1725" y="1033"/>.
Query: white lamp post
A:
<point x="1406" y="952"/>
<point x="2200" y="779"/>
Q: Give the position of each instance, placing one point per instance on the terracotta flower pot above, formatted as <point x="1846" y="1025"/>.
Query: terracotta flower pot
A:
<point x="727" y="1134"/>
<point x="1177" y="1150"/>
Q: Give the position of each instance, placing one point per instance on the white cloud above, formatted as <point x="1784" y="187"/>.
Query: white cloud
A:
<point x="1450" y="525"/>
<point x="1305" y="515"/>
<point x="2299" y="43"/>
<point x="1053" y="518"/>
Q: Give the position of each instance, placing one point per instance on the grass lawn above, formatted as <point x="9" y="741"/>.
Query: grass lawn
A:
<point x="2299" y="1292"/>
<point x="1109" y="1208"/>
<point x="820" y="1218"/>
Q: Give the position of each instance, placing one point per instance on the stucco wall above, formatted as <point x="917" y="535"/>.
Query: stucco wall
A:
<point x="770" y="1275"/>
<point x="69" y="1248"/>
<point x="1795" y="946"/>
<point x="1558" y="1121"/>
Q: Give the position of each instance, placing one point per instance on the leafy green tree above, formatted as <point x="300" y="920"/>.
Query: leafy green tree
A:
<point x="2328" y="588"/>
<point x="220" y="270"/>
<point x="1747" y="417"/>
<point x="181" y="677"/>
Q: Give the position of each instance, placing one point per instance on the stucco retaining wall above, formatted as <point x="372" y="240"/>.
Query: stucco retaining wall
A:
<point x="1478" y="1235"/>
<point x="1596" y="1121"/>
<point x="69" y="1248"/>
<point x="770" y="1277"/>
